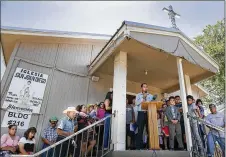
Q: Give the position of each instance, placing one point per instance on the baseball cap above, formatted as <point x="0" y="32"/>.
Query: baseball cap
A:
<point x="53" y="119"/>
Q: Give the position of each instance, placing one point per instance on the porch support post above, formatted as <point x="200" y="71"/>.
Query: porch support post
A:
<point x="188" y="85"/>
<point x="119" y="101"/>
<point x="184" y="104"/>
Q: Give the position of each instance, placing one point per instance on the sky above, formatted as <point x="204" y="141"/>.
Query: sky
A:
<point x="105" y="17"/>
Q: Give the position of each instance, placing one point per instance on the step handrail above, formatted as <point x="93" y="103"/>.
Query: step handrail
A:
<point x="203" y="121"/>
<point x="63" y="140"/>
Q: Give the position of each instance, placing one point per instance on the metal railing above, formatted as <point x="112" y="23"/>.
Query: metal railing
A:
<point x="93" y="141"/>
<point x="200" y="138"/>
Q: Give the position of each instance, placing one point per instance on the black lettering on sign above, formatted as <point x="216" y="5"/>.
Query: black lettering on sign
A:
<point x="10" y="114"/>
<point x="19" y="75"/>
<point x="28" y="77"/>
<point x="18" y="115"/>
<point x="25" y="116"/>
<point x="22" y="124"/>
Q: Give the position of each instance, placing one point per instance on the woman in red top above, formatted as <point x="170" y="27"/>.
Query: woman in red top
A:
<point x="101" y="111"/>
<point x="100" y="127"/>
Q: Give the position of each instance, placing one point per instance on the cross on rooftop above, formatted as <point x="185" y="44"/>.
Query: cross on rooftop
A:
<point x="172" y="15"/>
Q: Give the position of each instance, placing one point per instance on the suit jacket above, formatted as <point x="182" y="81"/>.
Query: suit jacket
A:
<point x="170" y="115"/>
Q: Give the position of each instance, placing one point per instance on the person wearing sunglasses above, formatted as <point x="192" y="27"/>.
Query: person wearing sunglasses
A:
<point x="49" y="136"/>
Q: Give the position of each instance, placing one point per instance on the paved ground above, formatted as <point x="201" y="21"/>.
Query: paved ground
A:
<point x="144" y="153"/>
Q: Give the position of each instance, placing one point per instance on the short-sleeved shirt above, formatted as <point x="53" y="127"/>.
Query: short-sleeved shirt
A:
<point x="50" y="134"/>
<point x="191" y="111"/>
<point x="6" y="140"/>
<point x="139" y="99"/>
<point x="217" y="119"/>
<point x="28" y="144"/>
<point x="66" y="124"/>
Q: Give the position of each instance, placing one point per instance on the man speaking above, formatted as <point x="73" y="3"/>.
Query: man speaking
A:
<point x="142" y="118"/>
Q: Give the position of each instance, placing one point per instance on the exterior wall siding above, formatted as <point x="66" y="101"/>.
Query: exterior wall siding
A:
<point x="67" y="84"/>
<point x="38" y="52"/>
<point x="74" y="57"/>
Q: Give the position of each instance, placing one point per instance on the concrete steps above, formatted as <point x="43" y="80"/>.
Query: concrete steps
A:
<point x="147" y="153"/>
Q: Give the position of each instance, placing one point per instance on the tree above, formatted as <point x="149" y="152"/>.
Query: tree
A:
<point x="213" y="41"/>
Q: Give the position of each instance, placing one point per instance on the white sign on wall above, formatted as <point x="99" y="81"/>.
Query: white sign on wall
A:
<point x="26" y="91"/>
<point x="22" y="120"/>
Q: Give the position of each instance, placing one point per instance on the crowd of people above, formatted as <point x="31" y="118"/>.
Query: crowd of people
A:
<point x="171" y="128"/>
<point x="171" y="124"/>
<point x="75" y="119"/>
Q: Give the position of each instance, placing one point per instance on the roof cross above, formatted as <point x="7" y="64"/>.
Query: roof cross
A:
<point x="172" y="15"/>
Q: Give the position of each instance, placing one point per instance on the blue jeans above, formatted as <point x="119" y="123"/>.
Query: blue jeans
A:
<point x="50" y="152"/>
<point x="107" y="126"/>
<point x="211" y="139"/>
<point x="202" y="133"/>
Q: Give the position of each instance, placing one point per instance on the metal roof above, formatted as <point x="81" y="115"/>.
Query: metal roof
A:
<point x="157" y="41"/>
<point x="32" y="30"/>
<point x="175" y="30"/>
<point x="142" y="25"/>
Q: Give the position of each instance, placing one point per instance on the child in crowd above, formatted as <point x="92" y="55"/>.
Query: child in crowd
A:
<point x="27" y="143"/>
<point x="173" y="115"/>
<point x="165" y="128"/>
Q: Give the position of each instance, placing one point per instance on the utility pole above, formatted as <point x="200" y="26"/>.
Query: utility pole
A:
<point x="172" y="14"/>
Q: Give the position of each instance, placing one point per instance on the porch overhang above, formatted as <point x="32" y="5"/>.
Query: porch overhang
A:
<point x="154" y="49"/>
<point x="11" y="35"/>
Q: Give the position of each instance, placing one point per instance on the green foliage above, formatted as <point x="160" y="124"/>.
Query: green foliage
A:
<point x="213" y="42"/>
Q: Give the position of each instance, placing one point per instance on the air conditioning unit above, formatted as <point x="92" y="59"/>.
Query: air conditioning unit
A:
<point x="95" y="78"/>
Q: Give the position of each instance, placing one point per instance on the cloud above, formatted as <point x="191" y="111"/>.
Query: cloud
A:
<point x="106" y="16"/>
<point x="102" y="17"/>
